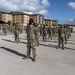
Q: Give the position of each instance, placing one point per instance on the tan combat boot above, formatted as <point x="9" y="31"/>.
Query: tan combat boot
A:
<point x="34" y="58"/>
<point x="26" y="57"/>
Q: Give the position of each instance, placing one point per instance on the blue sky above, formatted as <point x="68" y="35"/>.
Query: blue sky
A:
<point x="61" y="10"/>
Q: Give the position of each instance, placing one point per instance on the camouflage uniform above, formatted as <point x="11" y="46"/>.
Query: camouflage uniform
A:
<point x="37" y="30"/>
<point x="71" y="29"/>
<point x="61" y="35"/>
<point x="54" y="31"/>
<point x="31" y="42"/>
<point x="69" y="32"/>
<point x="4" y="29"/>
<point x="41" y="30"/>
<point x="16" y="34"/>
<point x="44" y="33"/>
<point x="20" y="28"/>
<point x="65" y="29"/>
<point x="50" y="32"/>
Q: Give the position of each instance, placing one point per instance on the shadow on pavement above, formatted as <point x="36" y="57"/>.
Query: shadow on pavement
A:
<point x="49" y="45"/>
<point x="15" y="52"/>
<point x="53" y="41"/>
<point x="23" y="42"/>
<point x="69" y="48"/>
<point x="70" y="43"/>
<point x="71" y="40"/>
<point x="13" y="41"/>
<point x="23" y="38"/>
<point x="7" y="40"/>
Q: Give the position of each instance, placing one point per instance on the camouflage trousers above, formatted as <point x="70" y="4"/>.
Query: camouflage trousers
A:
<point x="29" y="47"/>
<point x="44" y="37"/>
<point x="50" y="36"/>
<point x="5" y="32"/>
<point x="61" y="42"/>
<point x="17" y="38"/>
<point x="37" y="40"/>
<point x="54" y="34"/>
<point x="65" y="39"/>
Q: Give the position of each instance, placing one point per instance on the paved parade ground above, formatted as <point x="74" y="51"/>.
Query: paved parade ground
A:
<point x="49" y="61"/>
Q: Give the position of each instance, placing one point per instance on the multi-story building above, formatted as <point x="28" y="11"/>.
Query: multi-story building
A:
<point x="0" y="16"/>
<point x="23" y="18"/>
<point x="48" y="22"/>
<point x="20" y="18"/>
<point x="54" y="22"/>
<point x="38" y="18"/>
<point x="5" y="17"/>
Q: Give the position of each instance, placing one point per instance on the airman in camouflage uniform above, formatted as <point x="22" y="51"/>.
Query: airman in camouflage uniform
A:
<point x="45" y="33"/>
<point x="37" y="31"/>
<point x="41" y="32"/>
<point x="69" y="32"/>
<point x="31" y="40"/>
<point x="4" y="29"/>
<point x="16" y="34"/>
<point x="49" y="27"/>
<point x="61" y="36"/>
<point x="54" y="31"/>
<point x="65" y="29"/>
<point x="50" y="32"/>
<point x="71" y="29"/>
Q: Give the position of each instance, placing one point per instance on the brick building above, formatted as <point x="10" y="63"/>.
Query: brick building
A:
<point x="23" y="18"/>
<point x="50" y="22"/>
<point x="5" y="16"/>
<point x="20" y="18"/>
<point x="54" y="22"/>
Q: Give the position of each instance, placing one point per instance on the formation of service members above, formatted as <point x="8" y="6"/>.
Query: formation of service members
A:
<point x="63" y="33"/>
<point x="15" y="29"/>
<point x="35" y="31"/>
<point x="48" y="32"/>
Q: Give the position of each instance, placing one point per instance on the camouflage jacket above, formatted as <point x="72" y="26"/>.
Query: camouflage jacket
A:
<point x="31" y="34"/>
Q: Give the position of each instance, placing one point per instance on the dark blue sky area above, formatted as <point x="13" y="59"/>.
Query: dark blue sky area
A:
<point x="60" y="10"/>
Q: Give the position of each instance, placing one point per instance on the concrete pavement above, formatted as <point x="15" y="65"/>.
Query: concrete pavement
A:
<point x="50" y="61"/>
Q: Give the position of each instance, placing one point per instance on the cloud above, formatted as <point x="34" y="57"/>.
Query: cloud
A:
<point x="72" y="4"/>
<point x="71" y="20"/>
<point x="43" y="12"/>
<point x="8" y="6"/>
<point x="14" y="1"/>
<point x="45" y="2"/>
<point x="35" y="6"/>
<point x="28" y="12"/>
